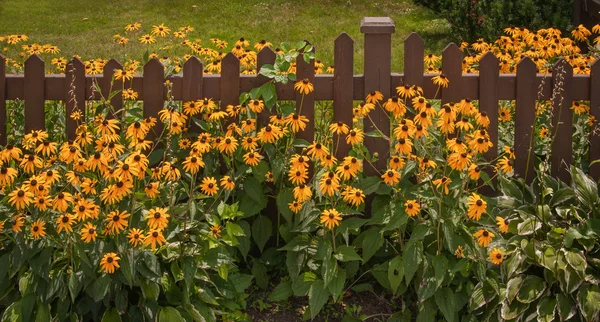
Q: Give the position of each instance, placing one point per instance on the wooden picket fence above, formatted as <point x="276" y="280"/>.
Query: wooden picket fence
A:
<point x="34" y="86"/>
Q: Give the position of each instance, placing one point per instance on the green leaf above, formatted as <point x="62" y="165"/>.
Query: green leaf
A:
<point x="261" y="231"/>
<point x="282" y="292"/>
<point x="234" y="229"/>
<point x="111" y="315"/>
<point x="440" y="267"/>
<point x="529" y="226"/>
<point x="372" y="241"/>
<point x="12" y="313"/>
<point x="566" y="308"/>
<point x="417" y="235"/>
<point x="284" y="198"/>
<point x="412" y="259"/>
<point x="328" y="271"/>
<point x="369" y="184"/>
<point x="395" y="273"/>
<point x="532" y="288"/>
<point x="337" y="284"/>
<point x="28" y="303"/>
<point x="150" y="290"/>
<point x="170" y="314"/>
<point x="317" y="297"/>
<point x="512" y="310"/>
<point x="561" y="196"/>
<point x="260" y="274"/>
<point x="346" y="253"/>
<point x="546" y="309"/>
<point x="100" y="288"/>
<point x="444" y="299"/>
<point x="585" y="188"/>
<point x="588" y="299"/>
<point x="576" y="261"/>
<point x="302" y="284"/>
<point x="254" y="190"/>
<point x="512" y="287"/>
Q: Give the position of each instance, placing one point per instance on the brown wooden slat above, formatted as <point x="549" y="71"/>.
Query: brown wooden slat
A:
<point x="74" y="93"/>
<point x="33" y="94"/>
<point x="452" y="67"/>
<point x="562" y="122"/>
<point x="2" y="100"/>
<point x="265" y="56"/>
<point x="305" y="104"/>
<point x="230" y="83"/>
<point x="488" y="101"/>
<point x="524" y="119"/>
<point x="192" y="80"/>
<point x="154" y="94"/>
<point x="595" y="112"/>
<point x="108" y="86"/>
<point x="414" y="51"/>
<point x="378" y="49"/>
<point x="343" y="87"/>
<point x="191" y="85"/>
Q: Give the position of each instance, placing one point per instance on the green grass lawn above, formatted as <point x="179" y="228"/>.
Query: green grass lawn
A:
<point x="86" y="27"/>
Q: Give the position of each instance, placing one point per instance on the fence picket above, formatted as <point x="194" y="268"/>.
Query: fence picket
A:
<point x="108" y="86"/>
<point x="489" y="71"/>
<point x="452" y="58"/>
<point x="74" y="93"/>
<point x="154" y="93"/>
<point x="414" y="51"/>
<point x="192" y="84"/>
<point x="265" y="56"/>
<point x="524" y="119"/>
<point x="562" y="122"/>
<point x="378" y="50"/>
<point x="343" y="87"/>
<point x="33" y="94"/>
<point x="230" y="82"/>
<point x="305" y="106"/>
<point x="595" y="112"/>
<point x="2" y="100"/>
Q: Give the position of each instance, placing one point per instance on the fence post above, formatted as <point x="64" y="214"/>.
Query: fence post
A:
<point x="524" y="119"/>
<point x="414" y="66"/>
<point x="377" y="70"/>
<point x="452" y="58"/>
<point x="153" y="95"/>
<point x="34" y="94"/>
<point x="489" y="73"/>
<point x="108" y="86"/>
<point x="230" y="84"/>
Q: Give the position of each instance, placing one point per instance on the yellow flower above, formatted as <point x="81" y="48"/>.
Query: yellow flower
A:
<point x="459" y="253"/>
<point x="160" y="30"/>
<point x="374" y="97"/>
<point x="215" y="230"/>
<point x="209" y="186"/>
<point x="135" y="237"/>
<point x="353" y="196"/>
<point x="88" y="232"/>
<point x="477" y="206"/>
<point x="331" y="218"/>
<point x="65" y="222"/>
<point x="442" y="182"/>
<point x="302" y="193"/>
<point x="20" y="198"/>
<point x="412" y="207"/>
<point x="252" y="158"/>
<point x="192" y="164"/>
<point x="304" y="87"/>
<point x="441" y="80"/>
<point x="158" y="218"/>
<point x="496" y="256"/>
<point x="502" y="224"/>
<point x="505" y="165"/>
<point x="147" y="39"/>
<point x="38" y="230"/>
<point x="484" y="237"/>
<point x="154" y="237"/>
<point x="391" y="177"/>
<point x="110" y="262"/>
<point x="355" y="136"/>
<point x="116" y="222"/>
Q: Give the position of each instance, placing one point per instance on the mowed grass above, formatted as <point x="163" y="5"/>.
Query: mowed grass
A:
<point x="86" y="28"/>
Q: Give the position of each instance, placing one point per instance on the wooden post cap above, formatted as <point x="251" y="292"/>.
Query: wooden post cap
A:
<point x="377" y="25"/>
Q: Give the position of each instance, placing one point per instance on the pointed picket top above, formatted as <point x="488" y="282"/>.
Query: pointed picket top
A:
<point x="452" y="49"/>
<point x="192" y="63"/>
<point x="2" y="59"/>
<point x="265" y="56"/>
<point x="414" y="51"/>
<point x="488" y="59"/>
<point x="229" y="59"/>
<point x="343" y="39"/>
<point x="34" y="60"/>
<point x="414" y="40"/>
<point x="230" y="80"/>
<point x="153" y="65"/>
<point x="110" y="67"/>
<point x="527" y="64"/>
<point x="562" y="62"/>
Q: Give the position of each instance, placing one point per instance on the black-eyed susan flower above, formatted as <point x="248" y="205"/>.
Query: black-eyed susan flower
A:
<point x="354" y="196"/>
<point x="299" y="161"/>
<point x="304" y="87"/>
<point x="474" y="172"/>
<point x="209" y="186"/>
<point x="443" y="183"/>
<point x="412" y="207"/>
<point x="65" y="222"/>
<point x="151" y="190"/>
<point x="7" y="176"/>
<point x="396" y="163"/>
<point x="476" y="206"/>
<point x="459" y="252"/>
<point x="109" y="262"/>
<point x="395" y="106"/>
<point x="157" y="218"/>
<point x="484" y="237"/>
<point x="295" y="206"/>
<point x="31" y="162"/>
<point x="339" y="128"/>
<point x="227" y="183"/>
<point x="115" y="221"/>
<point x="302" y="193"/>
<point x="296" y="122"/>
<point x="135" y="236"/>
<point x="153" y="238"/>
<point x="317" y="151"/>
<point x="192" y="164"/>
<point x="504" y="114"/>
<point x="374" y="97"/>
<point x="502" y="224"/>
<point x="391" y="177"/>
<point x="403" y="146"/>
<point x="17" y="223"/>
<point x="355" y="137"/>
<point x="252" y="158"/>
<point x="329" y="184"/>
<point x="270" y="134"/>
<point x="459" y="161"/>
<point x="88" y="232"/>
<point x="441" y="80"/>
<point x="38" y="229"/>
<point x="496" y="256"/>
<point x="256" y="105"/>
<point x="298" y="175"/>
<point x="505" y="165"/>
<point x="20" y="198"/>
<point x="331" y="218"/>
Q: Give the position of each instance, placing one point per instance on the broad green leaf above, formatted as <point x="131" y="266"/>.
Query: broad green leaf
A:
<point x="170" y="314"/>
<point x="411" y="260"/>
<point x="444" y="299"/>
<point x="576" y="261"/>
<point x="260" y="274"/>
<point x="261" y="231"/>
<point x="100" y="288"/>
<point x="566" y="307"/>
<point x="282" y="292"/>
<point x="440" y="267"/>
<point x="511" y="311"/>
<point x="529" y="226"/>
<point x="329" y="269"/>
<point x="337" y="284"/>
<point x="395" y="273"/>
<point x="317" y="297"/>
<point x="546" y="309"/>
<point x="302" y="284"/>
<point x="532" y="288"/>
<point x="372" y="241"/>
<point x="28" y="303"/>
<point x="111" y="315"/>
<point x="512" y="287"/>
<point x="346" y="253"/>
<point x="588" y="299"/>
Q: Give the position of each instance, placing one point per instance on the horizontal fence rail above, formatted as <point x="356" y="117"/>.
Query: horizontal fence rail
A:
<point x="489" y="87"/>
